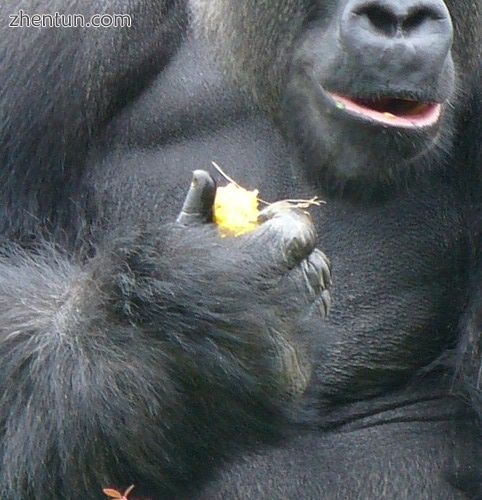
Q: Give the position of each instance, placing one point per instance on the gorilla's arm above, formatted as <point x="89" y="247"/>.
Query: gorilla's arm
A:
<point x="468" y="367"/>
<point x="468" y="380"/>
<point x="145" y="363"/>
<point x="469" y="350"/>
<point x="60" y="86"/>
<point x="149" y="361"/>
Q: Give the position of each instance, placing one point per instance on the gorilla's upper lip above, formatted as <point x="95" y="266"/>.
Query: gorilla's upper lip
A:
<point x="391" y="111"/>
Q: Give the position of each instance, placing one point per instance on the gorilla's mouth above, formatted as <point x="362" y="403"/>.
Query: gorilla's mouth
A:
<point x="393" y="112"/>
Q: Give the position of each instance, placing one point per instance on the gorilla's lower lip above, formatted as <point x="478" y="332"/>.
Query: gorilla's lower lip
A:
<point x="402" y="113"/>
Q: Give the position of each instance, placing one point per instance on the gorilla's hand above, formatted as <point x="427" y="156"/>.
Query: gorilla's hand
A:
<point x="284" y="246"/>
<point x="243" y="306"/>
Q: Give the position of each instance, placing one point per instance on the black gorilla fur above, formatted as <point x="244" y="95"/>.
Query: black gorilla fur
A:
<point x="139" y="351"/>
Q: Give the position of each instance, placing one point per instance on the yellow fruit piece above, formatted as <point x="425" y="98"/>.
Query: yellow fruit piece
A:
<point x="235" y="210"/>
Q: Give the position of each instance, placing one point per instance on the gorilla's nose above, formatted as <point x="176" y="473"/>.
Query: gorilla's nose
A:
<point x="401" y="38"/>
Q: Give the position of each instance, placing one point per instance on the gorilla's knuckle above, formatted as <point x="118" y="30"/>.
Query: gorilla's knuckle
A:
<point x="295" y="233"/>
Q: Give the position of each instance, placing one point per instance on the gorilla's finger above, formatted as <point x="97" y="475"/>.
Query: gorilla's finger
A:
<point x="322" y="304"/>
<point x="292" y="229"/>
<point x="311" y="285"/>
<point x="326" y="299"/>
<point x="316" y="272"/>
<point x="323" y="263"/>
<point x="198" y="205"/>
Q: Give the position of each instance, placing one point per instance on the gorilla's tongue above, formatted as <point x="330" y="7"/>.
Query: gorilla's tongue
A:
<point x="393" y="112"/>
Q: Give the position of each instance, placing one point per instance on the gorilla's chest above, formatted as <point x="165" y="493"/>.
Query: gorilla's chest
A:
<point x="405" y="248"/>
<point x="398" y="272"/>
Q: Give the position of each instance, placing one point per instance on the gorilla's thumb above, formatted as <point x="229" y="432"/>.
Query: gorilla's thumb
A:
<point x="198" y="205"/>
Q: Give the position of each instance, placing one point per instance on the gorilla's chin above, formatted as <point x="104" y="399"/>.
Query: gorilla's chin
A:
<point x="343" y="141"/>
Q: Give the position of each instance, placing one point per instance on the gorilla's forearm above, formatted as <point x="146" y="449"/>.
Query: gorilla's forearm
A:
<point x="97" y="65"/>
<point x="60" y="86"/>
<point x="469" y="352"/>
<point x="113" y="372"/>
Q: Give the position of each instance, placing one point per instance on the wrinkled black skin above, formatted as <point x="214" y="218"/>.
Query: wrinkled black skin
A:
<point x="134" y="351"/>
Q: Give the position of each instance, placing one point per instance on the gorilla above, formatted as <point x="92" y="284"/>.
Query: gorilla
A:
<point x="140" y="348"/>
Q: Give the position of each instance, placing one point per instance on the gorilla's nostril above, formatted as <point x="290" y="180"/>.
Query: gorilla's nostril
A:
<point x="417" y="18"/>
<point x="380" y="18"/>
